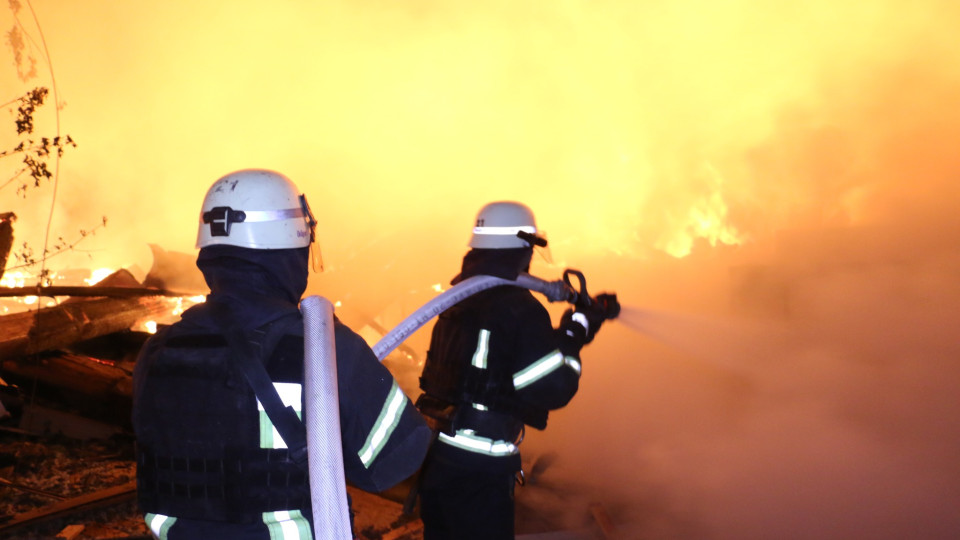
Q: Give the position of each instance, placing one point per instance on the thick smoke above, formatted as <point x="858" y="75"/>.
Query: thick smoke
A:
<point x="801" y="386"/>
<point x="770" y="189"/>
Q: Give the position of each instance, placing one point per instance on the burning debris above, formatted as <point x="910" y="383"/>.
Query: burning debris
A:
<point x="83" y="346"/>
<point x="66" y="450"/>
<point x="66" y="454"/>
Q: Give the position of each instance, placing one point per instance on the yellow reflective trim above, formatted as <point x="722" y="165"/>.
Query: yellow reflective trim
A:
<point x="291" y="396"/>
<point x="384" y="426"/>
<point x="159" y="525"/>
<point x="538" y="370"/>
<point x="572" y="363"/>
<point x="483" y="347"/>
<point x="481" y="445"/>
<point x="287" y="525"/>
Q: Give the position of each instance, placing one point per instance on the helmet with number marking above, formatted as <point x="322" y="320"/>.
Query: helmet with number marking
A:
<point x="506" y="225"/>
<point x="258" y="209"/>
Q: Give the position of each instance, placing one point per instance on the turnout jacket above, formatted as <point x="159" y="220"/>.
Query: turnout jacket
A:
<point x="495" y="364"/>
<point x="207" y="450"/>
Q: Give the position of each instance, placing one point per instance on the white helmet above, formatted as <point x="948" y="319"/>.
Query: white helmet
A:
<point x="504" y="225"/>
<point x="255" y="208"/>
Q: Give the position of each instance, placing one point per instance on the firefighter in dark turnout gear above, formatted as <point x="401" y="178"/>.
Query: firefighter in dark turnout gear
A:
<point x="213" y="462"/>
<point x="495" y="364"/>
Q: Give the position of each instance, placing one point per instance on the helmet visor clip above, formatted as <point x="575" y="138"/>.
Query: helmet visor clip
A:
<point x="221" y="218"/>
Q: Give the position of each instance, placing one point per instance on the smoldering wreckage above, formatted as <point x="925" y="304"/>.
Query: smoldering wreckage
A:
<point x="67" y="351"/>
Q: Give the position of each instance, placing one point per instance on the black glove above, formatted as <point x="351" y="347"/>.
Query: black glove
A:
<point x="581" y="325"/>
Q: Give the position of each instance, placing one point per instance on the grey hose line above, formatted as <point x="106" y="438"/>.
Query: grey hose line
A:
<point x="328" y="487"/>
<point x="555" y="291"/>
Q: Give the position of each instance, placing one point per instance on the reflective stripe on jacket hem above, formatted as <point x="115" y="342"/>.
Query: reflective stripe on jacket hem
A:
<point x="282" y="525"/>
<point x="466" y="440"/>
<point x="287" y="525"/>
<point x="159" y="525"/>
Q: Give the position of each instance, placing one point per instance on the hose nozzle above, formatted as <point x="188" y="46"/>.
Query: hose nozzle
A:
<point x="562" y="290"/>
<point x="604" y="304"/>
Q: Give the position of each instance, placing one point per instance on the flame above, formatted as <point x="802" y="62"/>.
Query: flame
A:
<point x="574" y="115"/>
<point x="178" y="306"/>
<point x="707" y="218"/>
<point x="15" y="278"/>
<point x="19" y="278"/>
<point x="96" y="276"/>
<point x="399" y="120"/>
<point x="149" y="327"/>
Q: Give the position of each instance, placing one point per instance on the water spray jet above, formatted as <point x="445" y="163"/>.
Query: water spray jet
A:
<point x="725" y="345"/>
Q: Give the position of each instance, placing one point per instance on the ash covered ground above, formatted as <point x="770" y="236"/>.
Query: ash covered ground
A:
<point x="67" y="468"/>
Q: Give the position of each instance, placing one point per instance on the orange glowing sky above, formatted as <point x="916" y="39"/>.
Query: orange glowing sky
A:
<point x="629" y="127"/>
<point x="821" y="137"/>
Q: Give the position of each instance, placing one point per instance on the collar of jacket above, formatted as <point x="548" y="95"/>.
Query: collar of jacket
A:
<point x="501" y="263"/>
<point x="257" y="285"/>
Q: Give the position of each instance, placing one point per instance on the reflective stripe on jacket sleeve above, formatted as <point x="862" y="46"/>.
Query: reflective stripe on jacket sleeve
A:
<point x="543" y="367"/>
<point x="384" y="426"/>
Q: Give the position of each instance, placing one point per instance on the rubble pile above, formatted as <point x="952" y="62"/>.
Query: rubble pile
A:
<point x="36" y="473"/>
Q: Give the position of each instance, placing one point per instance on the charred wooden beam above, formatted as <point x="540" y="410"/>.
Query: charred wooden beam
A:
<point x="46" y="329"/>
<point x="120" y="284"/>
<point x="82" y="374"/>
<point x="28" y="489"/>
<point x="78" y="291"/>
<point x="105" y="497"/>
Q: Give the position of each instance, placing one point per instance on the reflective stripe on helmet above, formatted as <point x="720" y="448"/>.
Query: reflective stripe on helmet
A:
<point x="504" y="231"/>
<point x="260" y="216"/>
<point x="222" y="218"/>
<point x="250" y="216"/>
<point x="543" y="367"/>
<point x="466" y="440"/>
<point x="384" y="426"/>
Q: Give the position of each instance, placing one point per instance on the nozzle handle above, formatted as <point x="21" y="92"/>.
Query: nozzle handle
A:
<point x="580" y="298"/>
<point x="605" y="304"/>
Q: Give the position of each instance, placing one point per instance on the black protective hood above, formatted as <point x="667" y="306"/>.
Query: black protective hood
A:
<point x="501" y="263"/>
<point x="257" y="285"/>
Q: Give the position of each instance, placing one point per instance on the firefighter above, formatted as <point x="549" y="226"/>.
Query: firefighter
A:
<point x="218" y="395"/>
<point x="495" y="365"/>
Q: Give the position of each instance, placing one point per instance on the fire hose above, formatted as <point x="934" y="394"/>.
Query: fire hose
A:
<point x="328" y="486"/>
<point x="563" y="290"/>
